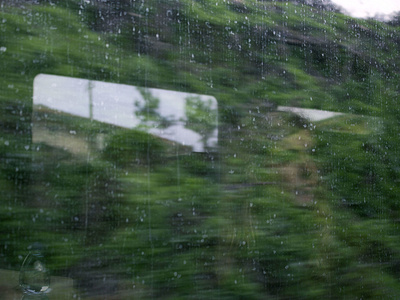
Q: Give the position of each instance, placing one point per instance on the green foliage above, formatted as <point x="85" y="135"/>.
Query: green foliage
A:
<point x="133" y="147"/>
<point x="287" y="208"/>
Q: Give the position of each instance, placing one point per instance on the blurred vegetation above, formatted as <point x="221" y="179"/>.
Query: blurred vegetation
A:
<point x="287" y="208"/>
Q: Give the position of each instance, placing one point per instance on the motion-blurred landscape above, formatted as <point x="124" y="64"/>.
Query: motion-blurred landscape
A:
<point x="285" y="207"/>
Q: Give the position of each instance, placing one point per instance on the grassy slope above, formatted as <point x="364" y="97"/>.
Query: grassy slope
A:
<point x="305" y="212"/>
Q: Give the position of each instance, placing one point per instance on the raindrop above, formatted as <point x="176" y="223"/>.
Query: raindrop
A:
<point x="34" y="278"/>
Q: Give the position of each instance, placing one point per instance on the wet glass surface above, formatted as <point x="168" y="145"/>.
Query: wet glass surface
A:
<point x="198" y="149"/>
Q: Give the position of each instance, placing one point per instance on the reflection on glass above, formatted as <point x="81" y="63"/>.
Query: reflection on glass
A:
<point x="188" y="119"/>
<point x="117" y="178"/>
<point x="310" y="114"/>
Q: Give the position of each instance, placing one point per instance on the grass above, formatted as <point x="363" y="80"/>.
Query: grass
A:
<point x="281" y="210"/>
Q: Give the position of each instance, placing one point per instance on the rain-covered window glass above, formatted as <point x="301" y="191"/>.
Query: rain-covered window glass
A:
<point x="192" y="149"/>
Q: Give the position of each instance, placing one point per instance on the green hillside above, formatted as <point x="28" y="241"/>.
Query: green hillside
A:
<point x="287" y="208"/>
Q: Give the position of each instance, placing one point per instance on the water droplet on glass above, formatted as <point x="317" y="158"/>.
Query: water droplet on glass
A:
<point x="34" y="277"/>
